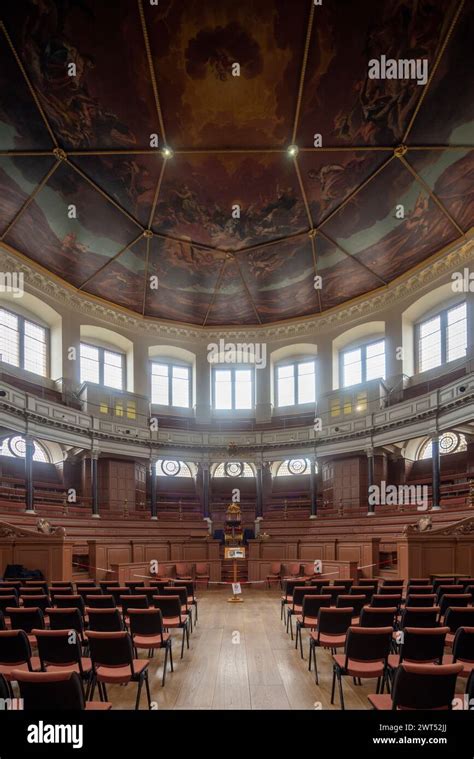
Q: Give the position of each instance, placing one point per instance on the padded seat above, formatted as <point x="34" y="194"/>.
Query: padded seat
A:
<point x="108" y="674"/>
<point x="359" y="668"/>
<point x="150" y="641"/>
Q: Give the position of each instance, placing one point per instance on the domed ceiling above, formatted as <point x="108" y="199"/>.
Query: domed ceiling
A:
<point x="154" y="173"/>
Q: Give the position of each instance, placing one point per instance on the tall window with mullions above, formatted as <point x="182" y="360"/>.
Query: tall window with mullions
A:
<point x="171" y="385"/>
<point x="23" y="343"/>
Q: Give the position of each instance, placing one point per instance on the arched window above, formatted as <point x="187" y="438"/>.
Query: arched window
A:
<point x="233" y="469"/>
<point x="15" y="446"/>
<point x="172" y="468"/>
<point x="293" y="467"/>
<point x="449" y="442"/>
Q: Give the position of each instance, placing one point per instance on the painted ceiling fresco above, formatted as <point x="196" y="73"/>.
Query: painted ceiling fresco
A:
<point x="141" y="166"/>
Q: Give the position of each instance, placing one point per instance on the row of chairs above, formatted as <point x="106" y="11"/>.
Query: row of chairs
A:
<point x="378" y="638"/>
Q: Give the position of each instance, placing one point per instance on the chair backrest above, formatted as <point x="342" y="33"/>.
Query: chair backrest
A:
<point x="394" y="581"/>
<point x="437" y="581"/>
<point x="418" y="616"/>
<point x="159" y="585"/>
<point x="294" y="568"/>
<point x="419" y="590"/>
<point x="93" y="590"/>
<point x="106" y="584"/>
<point x="313" y="603"/>
<point x="463" y="645"/>
<point x="362" y="590"/>
<point x="13" y="584"/>
<point x="26" y="619"/>
<point x="357" y="602"/>
<point x="58" y="647"/>
<point x="459" y="616"/>
<point x="419" y="581"/>
<point x="86" y="584"/>
<point x="111" y="649"/>
<point x="100" y="602"/>
<point x="384" y="616"/>
<point x="9" y="591"/>
<point x="146" y="622"/>
<point x="41" y="584"/>
<point x="316" y="585"/>
<point x="420" y="599"/>
<point x="55" y="592"/>
<point x="61" y="584"/>
<point x="465" y="582"/>
<point x="133" y="584"/>
<point x="15" y="647"/>
<point x="299" y="592"/>
<point x="275" y="568"/>
<point x="425" y="686"/>
<point x="30" y="591"/>
<point x="333" y="590"/>
<point x="8" y="601"/>
<point x="423" y="644"/>
<point x="361" y="582"/>
<point x="170" y="607"/>
<point x="333" y="621"/>
<point x="454" y="599"/>
<point x="442" y="590"/>
<point x="202" y="569"/>
<point x="118" y="592"/>
<point x="133" y="602"/>
<point x="3" y="624"/>
<point x="176" y="590"/>
<point x="149" y="592"/>
<point x="55" y="691"/>
<point x="67" y="602"/>
<point x="380" y="600"/>
<point x="66" y="619"/>
<point x="183" y="569"/>
<point x="105" y="620"/>
<point x="346" y="584"/>
<point x="42" y="602"/>
<point x="368" y="644"/>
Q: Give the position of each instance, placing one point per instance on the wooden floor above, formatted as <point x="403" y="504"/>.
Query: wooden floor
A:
<point x="240" y="657"/>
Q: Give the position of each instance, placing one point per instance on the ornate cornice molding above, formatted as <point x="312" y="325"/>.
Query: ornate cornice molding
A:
<point x="44" y="284"/>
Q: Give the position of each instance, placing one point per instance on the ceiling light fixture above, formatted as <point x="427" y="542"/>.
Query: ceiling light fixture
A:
<point x="293" y="151"/>
<point x="167" y="153"/>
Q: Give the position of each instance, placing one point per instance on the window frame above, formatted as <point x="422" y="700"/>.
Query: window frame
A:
<point x="21" y="344"/>
<point x="363" y="348"/>
<point x="233" y="369"/>
<point x="170" y="364"/>
<point x="294" y="363"/>
<point x="443" y="317"/>
<point x="101" y="363"/>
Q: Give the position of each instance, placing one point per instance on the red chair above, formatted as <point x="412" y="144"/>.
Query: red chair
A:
<point x="275" y="574"/>
<point x="366" y="654"/>
<point x="147" y="631"/>
<point x="173" y="618"/>
<point x="420" y="686"/>
<point x="113" y="663"/>
<point x="456" y="617"/>
<point x="331" y="633"/>
<point x="309" y="615"/>
<point x="202" y="575"/>
<point x="60" y="650"/>
<point x="184" y="571"/>
<point x="294" y="569"/>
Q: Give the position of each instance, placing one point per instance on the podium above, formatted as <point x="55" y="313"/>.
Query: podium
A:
<point x="235" y="553"/>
